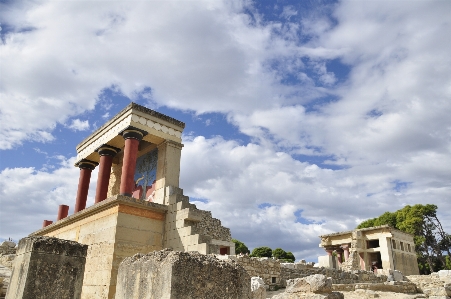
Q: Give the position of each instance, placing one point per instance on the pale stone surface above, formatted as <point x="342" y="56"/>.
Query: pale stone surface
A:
<point x="311" y="284"/>
<point x="258" y="288"/>
<point x="267" y="269"/>
<point x="47" y="268"/>
<point x="171" y="274"/>
<point x="5" y="275"/>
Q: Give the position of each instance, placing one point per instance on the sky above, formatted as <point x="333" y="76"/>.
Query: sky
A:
<point x="302" y="117"/>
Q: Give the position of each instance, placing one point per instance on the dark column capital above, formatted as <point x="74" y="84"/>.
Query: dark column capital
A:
<point x="133" y="133"/>
<point x="86" y="164"/>
<point x="107" y="150"/>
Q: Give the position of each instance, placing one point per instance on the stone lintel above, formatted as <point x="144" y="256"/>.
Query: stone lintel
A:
<point x="159" y="127"/>
<point x="124" y="204"/>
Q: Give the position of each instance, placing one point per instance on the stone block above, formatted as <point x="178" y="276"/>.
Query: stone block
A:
<point x="48" y="268"/>
<point x="258" y="288"/>
<point x="170" y="274"/>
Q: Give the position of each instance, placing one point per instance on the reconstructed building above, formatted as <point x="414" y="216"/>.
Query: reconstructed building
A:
<point x="139" y="206"/>
<point x="382" y="248"/>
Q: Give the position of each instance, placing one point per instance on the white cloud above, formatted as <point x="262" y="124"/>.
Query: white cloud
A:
<point x="79" y="125"/>
<point x="202" y="55"/>
<point x="29" y="196"/>
<point x="237" y="179"/>
<point x="387" y="122"/>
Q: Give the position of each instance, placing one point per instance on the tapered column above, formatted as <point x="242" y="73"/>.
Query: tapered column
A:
<point x="86" y="167"/>
<point x="46" y="223"/>
<point x="107" y="154"/>
<point x="345" y="248"/>
<point x="63" y="211"/>
<point x="132" y="138"/>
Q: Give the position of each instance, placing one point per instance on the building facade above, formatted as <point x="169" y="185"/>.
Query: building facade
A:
<point x="377" y="249"/>
<point x="139" y="206"/>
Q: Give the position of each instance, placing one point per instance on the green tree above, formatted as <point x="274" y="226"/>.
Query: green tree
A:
<point x="431" y="241"/>
<point x="279" y="253"/>
<point x="240" y="247"/>
<point x="262" y="252"/>
<point x="290" y="257"/>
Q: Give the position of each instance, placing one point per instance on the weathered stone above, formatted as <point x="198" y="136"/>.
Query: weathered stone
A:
<point x="47" y="268"/>
<point x="311" y="284"/>
<point x="285" y="295"/>
<point x="172" y="274"/>
<point x="258" y="288"/>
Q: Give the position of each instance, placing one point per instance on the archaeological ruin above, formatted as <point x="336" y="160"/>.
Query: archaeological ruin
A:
<point x="378" y="249"/>
<point x="142" y="238"/>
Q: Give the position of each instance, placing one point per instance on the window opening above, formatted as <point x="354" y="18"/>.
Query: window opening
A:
<point x="373" y="243"/>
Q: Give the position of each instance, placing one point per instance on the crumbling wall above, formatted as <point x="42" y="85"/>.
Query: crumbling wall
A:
<point x="435" y="284"/>
<point x="338" y="276"/>
<point x="173" y="274"/>
<point x="48" y="268"/>
<point x="190" y="229"/>
<point x="211" y="227"/>
<point x="265" y="268"/>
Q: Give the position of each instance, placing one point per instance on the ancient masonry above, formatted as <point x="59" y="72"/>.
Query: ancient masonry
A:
<point x="139" y="206"/>
<point x="47" y="268"/>
<point x="97" y="252"/>
<point x="380" y="249"/>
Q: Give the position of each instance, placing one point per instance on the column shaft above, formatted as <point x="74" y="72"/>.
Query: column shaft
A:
<point x="104" y="177"/>
<point x="46" y="223"/>
<point x="129" y="166"/>
<point x="83" y="187"/>
<point x="63" y="211"/>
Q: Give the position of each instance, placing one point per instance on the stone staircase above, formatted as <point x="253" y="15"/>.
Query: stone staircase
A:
<point x="192" y="229"/>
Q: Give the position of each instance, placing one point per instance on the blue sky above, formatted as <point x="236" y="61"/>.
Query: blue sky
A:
<point x="302" y="117"/>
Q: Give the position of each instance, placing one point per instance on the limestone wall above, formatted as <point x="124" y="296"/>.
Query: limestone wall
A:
<point x="406" y="262"/>
<point x="267" y="269"/>
<point x="435" y="284"/>
<point x="47" y="268"/>
<point x="338" y="276"/>
<point x="115" y="228"/>
<point x="173" y="275"/>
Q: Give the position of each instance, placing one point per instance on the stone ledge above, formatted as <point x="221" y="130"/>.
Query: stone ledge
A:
<point x="114" y="201"/>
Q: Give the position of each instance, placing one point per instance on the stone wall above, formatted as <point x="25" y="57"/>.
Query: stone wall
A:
<point x="173" y="275"/>
<point x="338" y="276"/>
<point x="47" y="268"/>
<point x="435" y="284"/>
<point x="114" y="229"/>
<point x="267" y="269"/>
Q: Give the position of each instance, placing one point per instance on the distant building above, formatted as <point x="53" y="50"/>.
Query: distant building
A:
<point x="373" y="249"/>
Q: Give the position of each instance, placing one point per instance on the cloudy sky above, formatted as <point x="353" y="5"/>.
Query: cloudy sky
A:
<point x="302" y="117"/>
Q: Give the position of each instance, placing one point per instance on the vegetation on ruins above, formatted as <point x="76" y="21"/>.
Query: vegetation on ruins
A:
<point x="432" y="243"/>
<point x="262" y="252"/>
<point x="240" y="247"/>
<point x="283" y="255"/>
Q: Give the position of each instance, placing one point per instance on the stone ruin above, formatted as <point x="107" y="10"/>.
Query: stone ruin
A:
<point x="7" y="255"/>
<point x="173" y="274"/>
<point x="139" y="207"/>
<point x="47" y="268"/>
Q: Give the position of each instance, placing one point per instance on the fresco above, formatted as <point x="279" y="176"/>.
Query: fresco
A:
<point x="145" y="176"/>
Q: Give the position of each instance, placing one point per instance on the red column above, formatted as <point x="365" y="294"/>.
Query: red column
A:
<point x="63" y="211"/>
<point x="86" y="168"/>
<point x="346" y="251"/>
<point x="46" y="223"/>
<point x="107" y="154"/>
<point x="132" y="138"/>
